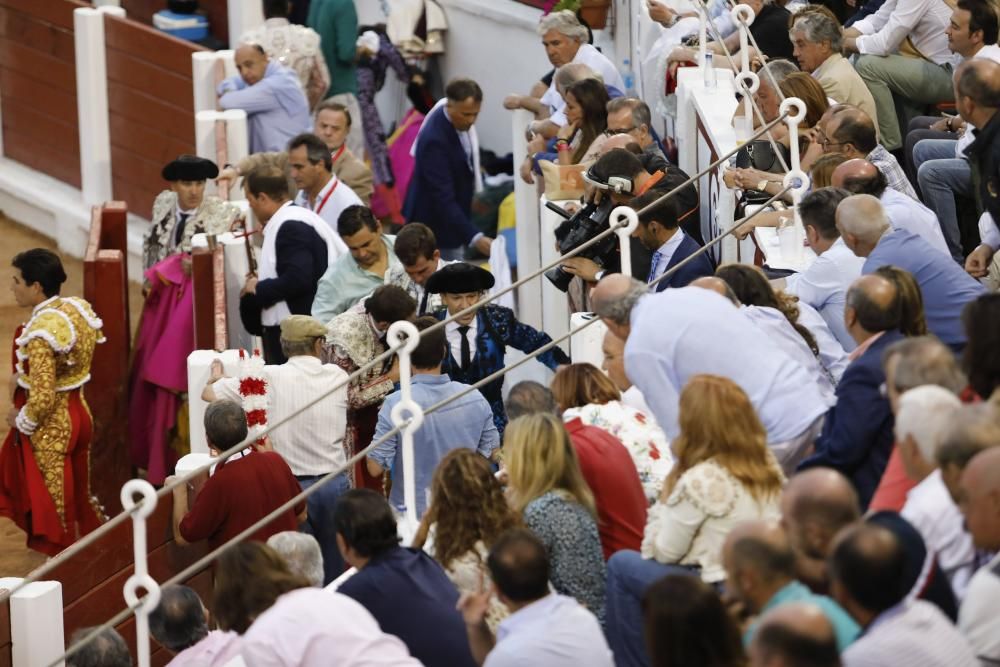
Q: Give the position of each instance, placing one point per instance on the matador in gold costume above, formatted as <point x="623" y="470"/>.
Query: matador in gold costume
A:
<point x="45" y="460"/>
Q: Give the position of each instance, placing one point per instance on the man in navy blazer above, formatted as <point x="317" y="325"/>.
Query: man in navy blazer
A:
<point x="659" y="231"/>
<point x="444" y="174"/>
<point x="857" y="434"/>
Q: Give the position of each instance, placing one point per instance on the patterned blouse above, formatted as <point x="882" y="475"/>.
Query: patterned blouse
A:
<point x="570" y="535"/>
<point x="640" y="434"/>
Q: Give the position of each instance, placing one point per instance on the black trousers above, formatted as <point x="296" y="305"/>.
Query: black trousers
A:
<point x="271" y="340"/>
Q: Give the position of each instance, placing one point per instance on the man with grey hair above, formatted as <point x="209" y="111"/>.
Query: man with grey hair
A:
<point x="313" y="443"/>
<point x="677" y="333"/>
<point x="107" y="649"/>
<point x="974" y="428"/>
<point x="631" y="116"/>
<point x="180" y="624"/>
<point x="945" y="286"/>
<point x="924" y="416"/>
<point x="817" y="39"/>
<point x="565" y="41"/>
<point x="301" y="553"/>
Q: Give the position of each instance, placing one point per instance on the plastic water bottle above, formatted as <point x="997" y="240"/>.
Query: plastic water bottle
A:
<point x="709" y="70"/>
<point x="628" y="76"/>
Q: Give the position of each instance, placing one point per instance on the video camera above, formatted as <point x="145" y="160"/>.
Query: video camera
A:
<point x="576" y="230"/>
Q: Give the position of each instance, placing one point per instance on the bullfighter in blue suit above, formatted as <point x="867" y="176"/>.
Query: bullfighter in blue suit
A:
<point x="477" y="342"/>
<point x="857" y="435"/>
<point x="446" y="171"/>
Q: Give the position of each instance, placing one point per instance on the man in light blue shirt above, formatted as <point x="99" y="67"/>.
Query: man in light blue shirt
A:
<point x="824" y="284"/>
<point x="372" y="262"/>
<point x="466" y="422"/>
<point x="543" y="628"/>
<point x="760" y="573"/>
<point x="271" y="96"/>
<point x="945" y="286"/>
<point x="678" y="333"/>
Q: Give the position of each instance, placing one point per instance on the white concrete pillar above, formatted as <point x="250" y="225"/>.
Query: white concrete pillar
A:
<point x="92" y="103"/>
<point x="237" y="145"/>
<point x="529" y="302"/>
<point x="36" y="622"/>
<point x="203" y="80"/>
<point x="555" y="303"/>
<point x="244" y="15"/>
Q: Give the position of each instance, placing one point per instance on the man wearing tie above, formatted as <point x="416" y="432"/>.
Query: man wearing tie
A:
<point x="478" y="340"/>
<point x="446" y="171"/>
<point x="416" y="247"/>
<point x="659" y="232"/>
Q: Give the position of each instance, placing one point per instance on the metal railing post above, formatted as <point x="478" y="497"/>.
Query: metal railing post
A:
<point x="407" y="415"/>
<point x="140" y="579"/>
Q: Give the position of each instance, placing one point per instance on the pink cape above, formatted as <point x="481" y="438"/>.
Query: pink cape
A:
<point x="159" y="368"/>
<point x="402" y="162"/>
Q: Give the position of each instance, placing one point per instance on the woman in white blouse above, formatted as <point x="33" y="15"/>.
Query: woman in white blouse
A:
<point x="583" y="391"/>
<point x="724" y="474"/>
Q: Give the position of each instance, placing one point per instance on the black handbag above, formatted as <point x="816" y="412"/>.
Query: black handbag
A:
<point x="759" y="154"/>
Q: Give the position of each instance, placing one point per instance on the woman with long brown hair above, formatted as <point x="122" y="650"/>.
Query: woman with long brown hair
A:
<point x="466" y="514"/>
<point x="723" y="475"/>
<point x="912" y="321"/>
<point x="583" y="392"/>
<point x="587" y="118"/>
<point x="547" y="487"/>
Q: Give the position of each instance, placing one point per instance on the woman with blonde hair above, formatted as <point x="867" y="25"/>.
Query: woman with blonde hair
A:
<point x="723" y="475"/>
<point x="466" y="514"/>
<point x="583" y="392"/>
<point x="546" y="486"/>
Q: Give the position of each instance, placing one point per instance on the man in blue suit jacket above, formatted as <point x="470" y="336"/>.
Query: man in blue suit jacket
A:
<point x="857" y="434"/>
<point x="659" y="231"/>
<point x="444" y="174"/>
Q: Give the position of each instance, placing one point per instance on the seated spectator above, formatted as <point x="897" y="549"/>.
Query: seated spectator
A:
<point x="543" y="627"/>
<point x="910" y="363"/>
<point x="976" y="427"/>
<point x="586" y="121"/>
<point x="797" y="633"/>
<point x="223" y="509"/>
<point x="107" y="649"/>
<point x="465" y="422"/>
<point x="372" y="263"/>
<point x="803" y="86"/>
<point x="466" y="515"/>
<point x="857" y="433"/>
<point x="180" y="624"/>
<point x="678" y="333"/>
<point x="613" y="349"/>
<point x="900" y="83"/>
<point x="310" y="166"/>
<point x="724" y="475"/>
<point x="428" y="623"/>
<point x="659" y="231"/>
<point x="760" y="574"/>
<point x="583" y="392"/>
<point x="631" y="116"/>
<point x="821" y="172"/>
<point x="301" y="554"/>
<point x="685" y="623"/>
<point x="817" y="41"/>
<point x="271" y="96"/>
<point x="545" y="485"/>
<point x="294" y="46"/>
<point x="924" y="416"/>
<point x="981" y="319"/>
<point x="851" y="132"/>
<point x="860" y="177"/>
<point x="977" y="617"/>
<point x="769" y="30"/>
<point x="416" y="248"/>
<point x="912" y="321"/>
<point x="285" y="622"/>
<point x="868" y="580"/>
<point x="945" y="287"/>
<point x="607" y="467"/>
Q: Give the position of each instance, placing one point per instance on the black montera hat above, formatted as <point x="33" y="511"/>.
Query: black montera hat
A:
<point x="459" y="278"/>
<point x="190" y="168"/>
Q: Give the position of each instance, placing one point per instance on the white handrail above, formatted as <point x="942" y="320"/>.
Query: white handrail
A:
<point x="140" y="578"/>
<point x="407" y="414"/>
<point x="623" y="215"/>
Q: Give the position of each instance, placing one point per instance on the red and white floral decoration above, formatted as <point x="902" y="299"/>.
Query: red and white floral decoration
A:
<point x="253" y="390"/>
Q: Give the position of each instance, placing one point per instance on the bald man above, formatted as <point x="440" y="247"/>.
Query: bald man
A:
<point x="857" y="433"/>
<point x="859" y="177"/>
<point x="978" y="618"/>
<point x="760" y="573"/>
<point x="869" y="580"/>
<point x="675" y="334"/>
<point x="271" y="96"/>
<point x="945" y="287"/>
<point x="794" y="634"/>
<point x="977" y="99"/>
<point x="851" y="133"/>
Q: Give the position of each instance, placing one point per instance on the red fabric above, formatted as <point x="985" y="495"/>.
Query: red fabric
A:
<point x="895" y="485"/>
<point x="364" y="421"/>
<point x="26" y="500"/>
<point x="238" y="495"/>
<point x="611" y="474"/>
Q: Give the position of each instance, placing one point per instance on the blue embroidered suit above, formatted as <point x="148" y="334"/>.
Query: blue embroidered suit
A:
<point x="698" y="268"/>
<point x="496" y="328"/>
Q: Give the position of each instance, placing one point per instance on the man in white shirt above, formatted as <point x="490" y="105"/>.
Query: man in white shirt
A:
<point x="903" y="82"/>
<point x="310" y="164"/>
<point x="978" y="618"/>
<point x="824" y="284"/>
<point x="543" y="628"/>
<point x="313" y="442"/>
<point x="861" y="177"/>
<point x="922" y="419"/>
